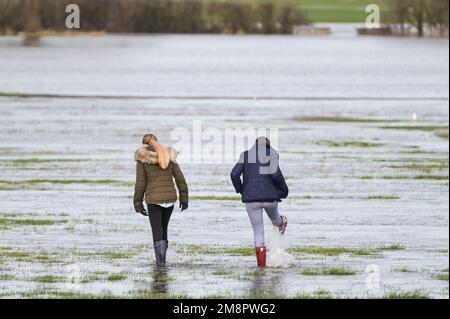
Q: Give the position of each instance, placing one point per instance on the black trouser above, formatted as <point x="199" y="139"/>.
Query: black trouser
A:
<point x="159" y="220"/>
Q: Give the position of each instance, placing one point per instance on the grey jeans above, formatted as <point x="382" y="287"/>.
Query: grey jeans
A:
<point x="255" y="213"/>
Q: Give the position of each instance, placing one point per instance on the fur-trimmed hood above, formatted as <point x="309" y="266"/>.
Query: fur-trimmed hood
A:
<point x="149" y="157"/>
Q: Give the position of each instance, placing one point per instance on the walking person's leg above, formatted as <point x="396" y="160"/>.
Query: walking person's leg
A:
<point x="255" y="213"/>
<point x="155" y="213"/>
<point x="165" y="219"/>
<point x="278" y="220"/>
<point x="166" y="214"/>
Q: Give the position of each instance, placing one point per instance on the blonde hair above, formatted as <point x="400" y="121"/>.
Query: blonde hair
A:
<point x="147" y="138"/>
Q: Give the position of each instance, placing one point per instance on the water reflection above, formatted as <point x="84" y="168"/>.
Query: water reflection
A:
<point x="266" y="283"/>
<point x="160" y="280"/>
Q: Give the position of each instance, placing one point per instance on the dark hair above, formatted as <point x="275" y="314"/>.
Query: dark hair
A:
<point x="263" y="140"/>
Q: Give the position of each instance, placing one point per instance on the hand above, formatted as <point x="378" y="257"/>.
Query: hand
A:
<point x="142" y="211"/>
<point x="184" y="206"/>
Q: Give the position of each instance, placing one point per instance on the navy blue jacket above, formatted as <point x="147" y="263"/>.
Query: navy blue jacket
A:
<point x="263" y="180"/>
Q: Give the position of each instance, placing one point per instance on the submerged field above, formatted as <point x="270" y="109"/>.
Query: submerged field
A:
<point x="368" y="208"/>
<point x="369" y="203"/>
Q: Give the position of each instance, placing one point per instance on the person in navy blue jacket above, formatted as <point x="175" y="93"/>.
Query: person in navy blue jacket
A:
<point x="262" y="187"/>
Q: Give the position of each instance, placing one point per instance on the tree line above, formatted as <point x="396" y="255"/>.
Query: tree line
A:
<point x="152" y="16"/>
<point x="421" y="15"/>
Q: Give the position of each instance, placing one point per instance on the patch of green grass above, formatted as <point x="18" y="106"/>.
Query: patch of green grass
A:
<point x="403" y="270"/>
<point x="416" y="160"/>
<point x="115" y="255"/>
<point x="406" y="295"/>
<point x="319" y="294"/>
<point x="12" y="94"/>
<point x="107" y="254"/>
<point x="442" y="134"/>
<point x="91" y="278"/>
<point x="151" y="294"/>
<point x="67" y="182"/>
<point x="331" y="251"/>
<point x="328" y="272"/>
<point x="27" y="161"/>
<point x="14" y="254"/>
<point x="117" y="277"/>
<point x="443" y="277"/>
<point x="161" y="277"/>
<point x="421" y="128"/>
<point x="356" y="144"/>
<point x="418" y="177"/>
<point x="49" y="279"/>
<point x="382" y="197"/>
<point x="222" y="272"/>
<point x="42" y="292"/>
<point x="9" y="222"/>
<point x="330" y="119"/>
<point x="215" y="250"/>
<point x="421" y="168"/>
<point x="391" y="247"/>
<point x="216" y="198"/>
<point x="416" y="152"/>
<point x="6" y="277"/>
<point x="46" y="258"/>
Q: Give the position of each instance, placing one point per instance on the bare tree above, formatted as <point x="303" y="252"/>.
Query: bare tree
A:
<point x="418" y="15"/>
<point x="32" y="21"/>
<point x="438" y="16"/>
<point x="399" y="13"/>
<point x="267" y="16"/>
<point x="10" y="15"/>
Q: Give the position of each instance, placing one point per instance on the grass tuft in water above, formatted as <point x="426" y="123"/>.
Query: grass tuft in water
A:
<point x="222" y="272"/>
<point x="331" y="119"/>
<point x="391" y="247"/>
<point x="9" y="222"/>
<point x="443" y="277"/>
<point x="67" y="182"/>
<point x="26" y="161"/>
<point x="418" y="177"/>
<point x="318" y="294"/>
<point x="403" y="270"/>
<point x="14" y="254"/>
<point x="216" y="198"/>
<point x="421" y="167"/>
<point x="442" y="134"/>
<point x="356" y="144"/>
<point x="328" y="272"/>
<point x="421" y="128"/>
<point x="406" y="295"/>
<point x="117" y="277"/>
<point x="382" y="197"/>
<point x="331" y="251"/>
<point x="6" y="277"/>
<point x="215" y="250"/>
<point x="49" y="279"/>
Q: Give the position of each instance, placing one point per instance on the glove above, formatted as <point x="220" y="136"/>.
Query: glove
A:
<point x="141" y="210"/>
<point x="184" y="206"/>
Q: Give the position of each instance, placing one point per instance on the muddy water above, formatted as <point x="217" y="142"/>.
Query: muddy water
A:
<point x="343" y="193"/>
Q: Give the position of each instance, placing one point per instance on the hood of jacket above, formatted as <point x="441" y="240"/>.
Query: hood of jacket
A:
<point x="150" y="157"/>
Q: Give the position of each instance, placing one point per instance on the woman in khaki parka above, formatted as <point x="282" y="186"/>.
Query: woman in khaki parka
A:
<point x="156" y="170"/>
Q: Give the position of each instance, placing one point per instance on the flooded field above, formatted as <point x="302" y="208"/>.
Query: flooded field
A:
<point x="366" y="159"/>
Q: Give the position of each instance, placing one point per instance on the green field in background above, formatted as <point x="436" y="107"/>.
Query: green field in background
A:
<point x="327" y="10"/>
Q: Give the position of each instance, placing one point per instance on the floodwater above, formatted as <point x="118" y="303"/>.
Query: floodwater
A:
<point x="375" y="188"/>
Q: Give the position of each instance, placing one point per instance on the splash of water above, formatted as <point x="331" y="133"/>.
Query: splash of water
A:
<point x="277" y="256"/>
